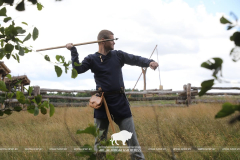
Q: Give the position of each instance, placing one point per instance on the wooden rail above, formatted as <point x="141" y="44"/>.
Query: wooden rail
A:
<point x="185" y="96"/>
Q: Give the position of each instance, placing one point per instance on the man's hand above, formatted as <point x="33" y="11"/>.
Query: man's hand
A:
<point x="153" y="65"/>
<point x="69" y="46"/>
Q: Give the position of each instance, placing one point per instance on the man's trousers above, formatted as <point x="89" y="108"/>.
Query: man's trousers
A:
<point x="123" y="124"/>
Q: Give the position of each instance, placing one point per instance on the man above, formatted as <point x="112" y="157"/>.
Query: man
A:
<point x="106" y="64"/>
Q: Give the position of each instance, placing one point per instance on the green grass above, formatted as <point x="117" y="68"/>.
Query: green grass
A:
<point x="156" y="127"/>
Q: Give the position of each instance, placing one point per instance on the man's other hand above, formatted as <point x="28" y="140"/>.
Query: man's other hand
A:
<point x="153" y="65"/>
<point x="69" y="46"/>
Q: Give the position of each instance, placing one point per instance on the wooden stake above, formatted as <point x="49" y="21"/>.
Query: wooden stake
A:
<point x="78" y="44"/>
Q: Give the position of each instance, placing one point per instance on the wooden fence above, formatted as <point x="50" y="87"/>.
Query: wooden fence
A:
<point x="186" y="96"/>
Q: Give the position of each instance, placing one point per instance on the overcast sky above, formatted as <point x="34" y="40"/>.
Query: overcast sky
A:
<point x="187" y="33"/>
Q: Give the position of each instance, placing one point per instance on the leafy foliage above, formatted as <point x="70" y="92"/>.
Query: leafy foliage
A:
<point x="227" y="109"/>
<point x="91" y="129"/>
<point x="74" y="73"/>
<point x="216" y="66"/>
<point x="89" y="152"/>
<point x="33" y="104"/>
<point x="35" y="33"/>
<point x="58" y="70"/>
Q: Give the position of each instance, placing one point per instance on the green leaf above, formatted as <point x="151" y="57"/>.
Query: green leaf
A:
<point x="20" y="6"/>
<point x="58" y="57"/>
<point x="18" y="82"/>
<point x="43" y="110"/>
<point x="30" y="89"/>
<point x="1" y="2"/>
<point x="230" y="27"/>
<point x="7" y="19"/>
<point x="8" y="55"/>
<point x="3" y="11"/>
<point x="39" y="6"/>
<point x="52" y="110"/>
<point x="2" y="30"/>
<point x="27" y="37"/>
<point x="25" y="23"/>
<point x="10" y="95"/>
<point x="47" y="58"/>
<point x="216" y="66"/>
<point x="74" y="73"/>
<point x="58" y="70"/>
<point x="35" y="33"/>
<point x="99" y="133"/>
<point x="30" y="109"/>
<point x="2" y="99"/>
<point x="20" y="30"/>
<point x="2" y="53"/>
<point x="18" y="58"/>
<point x="9" y="48"/>
<point x="10" y="2"/>
<point x="76" y="64"/>
<point x="206" y="85"/>
<point x="8" y="111"/>
<point x="3" y="86"/>
<point x="28" y="101"/>
<point x="36" y="111"/>
<point x="2" y="43"/>
<point x="46" y="104"/>
<point x="38" y="99"/>
<point x="110" y="157"/>
<point x="223" y="20"/>
<point x="20" y="97"/>
<point x="236" y="38"/>
<point x="21" y="51"/>
<point x="18" y="108"/>
<point x="34" y="101"/>
<point x="92" y="129"/>
<point x="9" y="76"/>
<point x="227" y="109"/>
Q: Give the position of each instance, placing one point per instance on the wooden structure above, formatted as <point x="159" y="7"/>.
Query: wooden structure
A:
<point x="185" y="96"/>
<point x="4" y="70"/>
<point x="20" y="87"/>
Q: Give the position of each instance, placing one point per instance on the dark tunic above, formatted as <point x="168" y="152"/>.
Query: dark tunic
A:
<point x="108" y="76"/>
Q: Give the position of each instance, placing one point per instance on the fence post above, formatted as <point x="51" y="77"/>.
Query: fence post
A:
<point x="36" y="90"/>
<point x="189" y="93"/>
<point x="183" y="95"/>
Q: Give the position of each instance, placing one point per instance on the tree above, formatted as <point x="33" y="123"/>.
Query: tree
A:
<point x="216" y="66"/>
<point x="10" y="44"/>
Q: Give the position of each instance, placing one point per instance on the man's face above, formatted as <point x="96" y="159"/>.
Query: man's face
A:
<point x="109" y="45"/>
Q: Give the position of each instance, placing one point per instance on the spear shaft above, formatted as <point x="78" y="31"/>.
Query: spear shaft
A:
<point x="78" y="44"/>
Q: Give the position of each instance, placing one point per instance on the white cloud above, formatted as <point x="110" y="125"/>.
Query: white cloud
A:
<point x="185" y="37"/>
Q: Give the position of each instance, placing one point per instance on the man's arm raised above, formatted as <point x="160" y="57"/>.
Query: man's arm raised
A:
<point x="85" y="63"/>
<point x="137" y="60"/>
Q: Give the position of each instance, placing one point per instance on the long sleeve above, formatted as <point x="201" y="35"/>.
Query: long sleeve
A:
<point x="86" y="63"/>
<point x="133" y="60"/>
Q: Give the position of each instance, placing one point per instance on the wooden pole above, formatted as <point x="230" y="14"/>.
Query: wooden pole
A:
<point x="108" y="115"/>
<point x="144" y="70"/>
<point x="189" y="93"/>
<point x="183" y="95"/>
<point x="78" y="44"/>
<point x="141" y="73"/>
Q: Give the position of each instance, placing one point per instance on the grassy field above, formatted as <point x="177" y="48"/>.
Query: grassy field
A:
<point x="156" y="127"/>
